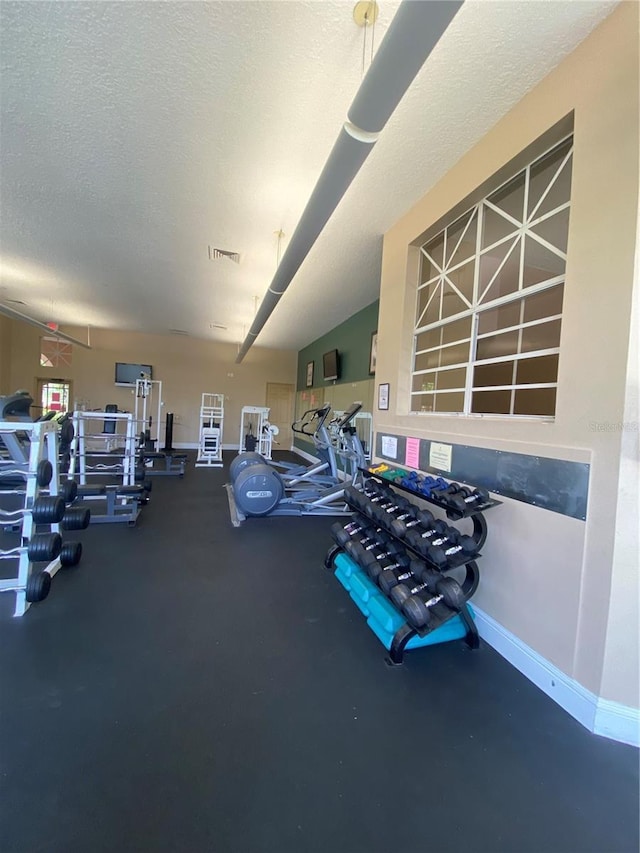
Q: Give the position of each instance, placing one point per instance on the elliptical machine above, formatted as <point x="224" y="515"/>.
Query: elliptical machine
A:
<point x="259" y="489"/>
<point x="312" y="424"/>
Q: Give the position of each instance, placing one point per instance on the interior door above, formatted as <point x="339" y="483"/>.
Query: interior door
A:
<point x="280" y="400"/>
<point x="54" y="395"/>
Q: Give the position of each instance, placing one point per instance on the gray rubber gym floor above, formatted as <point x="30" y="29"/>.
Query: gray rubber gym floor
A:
<point x="197" y="687"/>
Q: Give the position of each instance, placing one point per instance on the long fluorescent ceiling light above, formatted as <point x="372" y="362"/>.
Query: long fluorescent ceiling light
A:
<point x="414" y="32"/>
<point x="18" y="315"/>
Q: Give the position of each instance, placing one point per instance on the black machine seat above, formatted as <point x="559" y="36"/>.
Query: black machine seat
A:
<point x="16" y="406"/>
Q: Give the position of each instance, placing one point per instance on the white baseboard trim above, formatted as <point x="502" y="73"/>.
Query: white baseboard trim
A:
<point x="609" y="719"/>
<point x="618" y="722"/>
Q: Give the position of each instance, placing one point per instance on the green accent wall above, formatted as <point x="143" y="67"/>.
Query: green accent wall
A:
<point x="352" y="339"/>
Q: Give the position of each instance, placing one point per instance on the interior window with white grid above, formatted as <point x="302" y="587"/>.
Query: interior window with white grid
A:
<point x="489" y="303"/>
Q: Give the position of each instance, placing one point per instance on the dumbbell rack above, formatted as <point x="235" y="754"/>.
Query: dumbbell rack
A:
<point x="383" y="618"/>
<point x="43" y="445"/>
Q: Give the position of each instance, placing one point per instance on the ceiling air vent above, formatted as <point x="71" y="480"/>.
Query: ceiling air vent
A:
<point x="217" y="326"/>
<point x="219" y="254"/>
<point x="178" y="332"/>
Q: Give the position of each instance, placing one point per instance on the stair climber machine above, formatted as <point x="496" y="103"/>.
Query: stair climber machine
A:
<point x="259" y="489"/>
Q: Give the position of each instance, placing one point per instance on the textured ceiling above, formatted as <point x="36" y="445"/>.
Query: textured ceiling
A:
<point x="134" y="135"/>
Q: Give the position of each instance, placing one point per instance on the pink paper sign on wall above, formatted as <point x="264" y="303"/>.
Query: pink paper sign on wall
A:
<point x="412" y="454"/>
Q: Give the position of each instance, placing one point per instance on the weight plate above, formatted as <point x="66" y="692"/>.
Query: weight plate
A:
<point x="44" y="473"/>
<point x="38" y="586"/>
<point x="70" y="554"/>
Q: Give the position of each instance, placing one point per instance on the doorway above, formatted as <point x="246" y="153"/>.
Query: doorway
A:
<point x="54" y="395"/>
<point x="280" y="400"/>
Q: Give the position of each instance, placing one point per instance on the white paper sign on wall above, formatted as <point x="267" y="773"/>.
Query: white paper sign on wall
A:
<point x="440" y="456"/>
<point x="390" y="446"/>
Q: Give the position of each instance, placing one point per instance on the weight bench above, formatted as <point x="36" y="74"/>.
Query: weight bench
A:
<point x="122" y="503"/>
<point x="174" y="464"/>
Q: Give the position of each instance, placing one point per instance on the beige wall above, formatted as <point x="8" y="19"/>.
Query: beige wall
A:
<point x="186" y="366"/>
<point x="546" y="577"/>
<point x="622" y="660"/>
<point x="5" y="356"/>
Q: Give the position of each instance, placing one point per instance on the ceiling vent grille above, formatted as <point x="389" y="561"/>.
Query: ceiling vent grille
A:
<point x="219" y="254"/>
<point x="217" y="326"/>
<point x="178" y="332"/>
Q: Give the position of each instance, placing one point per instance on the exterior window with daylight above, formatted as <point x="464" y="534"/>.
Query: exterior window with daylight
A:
<point x="489" y="301"/>
<point x="55" y="353"/>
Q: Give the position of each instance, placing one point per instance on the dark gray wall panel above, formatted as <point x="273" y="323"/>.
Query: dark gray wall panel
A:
<point x="554" y="484"/>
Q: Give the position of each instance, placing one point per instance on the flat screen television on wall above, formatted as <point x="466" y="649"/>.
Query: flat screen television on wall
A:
<point x="331" y="365"/>
<point x="126" y="374"/>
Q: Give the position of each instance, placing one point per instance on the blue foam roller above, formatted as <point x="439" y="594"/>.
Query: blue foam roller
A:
<point x="362" y="586"/>
<point x="343" y="577"/>
<point x="386" y="615"/>
<point x="363" y="606"/>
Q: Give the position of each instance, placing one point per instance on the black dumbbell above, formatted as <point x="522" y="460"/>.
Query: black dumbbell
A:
<point x="426" y="580"/>
<point x="421" y="541"/>
<point x="384" y="548"/>
<point x="417" y="609"/>
<point x="390" y="577"/>
<point x="463" y="545"/>
<point x="359" y="499"/>
<point x="373" y="565"/>
<point x="46" y="510"/>
<point x="41" y="548"/>
<point x="465" y="498"/>
<point x="391" y="505"/>
<point x="440" y="493"/>
<point x="400" y="525"/>
<point x="362" y="529"/>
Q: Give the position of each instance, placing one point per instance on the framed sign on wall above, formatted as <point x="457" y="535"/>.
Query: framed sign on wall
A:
<point x="373" y="352"/>
<point x="310" y="374"/>
<point x="383" y="396"/>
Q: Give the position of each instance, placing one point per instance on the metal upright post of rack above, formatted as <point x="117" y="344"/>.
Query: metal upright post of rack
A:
<point x="31" y="584"/>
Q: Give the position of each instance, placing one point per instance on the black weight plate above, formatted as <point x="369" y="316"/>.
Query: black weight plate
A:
<point x="49" y="510"/>
<point x="44" y="547"/>
<point x="68" y="491"/>
<point x="71" y="554"/>
<point x="38" y="586"/>
<point x="44" y="473"/>
<point x="76" y="518"/>
<point x="67" y="432"/>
